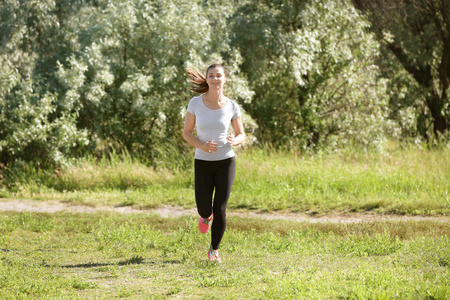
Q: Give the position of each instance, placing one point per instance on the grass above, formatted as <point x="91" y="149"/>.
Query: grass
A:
<point x="102" y="256"/>
<point x="141" y="256"/>
<point x="399" y="181"/>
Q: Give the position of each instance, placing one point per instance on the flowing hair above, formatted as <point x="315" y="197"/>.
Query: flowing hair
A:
<point x="198" y="80"/>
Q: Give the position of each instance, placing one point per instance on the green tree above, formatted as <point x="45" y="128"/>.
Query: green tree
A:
<point x="417" y="33"/>
<point x="33" y="124"/>
<point x="96" y="75"/>
<point x="312" y="67"/>
<point x="108" y="72"/>
<point x="129" y="75"/>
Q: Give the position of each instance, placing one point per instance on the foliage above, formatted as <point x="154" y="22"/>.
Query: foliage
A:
<point x="92" y="77"/>
<point x="134" y="64"/>
<point x="313" y="73"/>
<point x="110" y="74"/>
<point x="417" y="34"/>
<point x="34" y="125"/>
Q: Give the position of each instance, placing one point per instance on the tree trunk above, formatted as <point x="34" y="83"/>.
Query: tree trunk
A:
<point x="436" y="104"/>
<point x="416" y="18"/>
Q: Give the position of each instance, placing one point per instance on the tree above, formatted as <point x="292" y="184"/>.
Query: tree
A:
<point x="108" y="73"/>
<point x="130" y="73"/>
<point x="417" y="33"/>
<point x="312" y="67"/>
<point x="34" y="125"/>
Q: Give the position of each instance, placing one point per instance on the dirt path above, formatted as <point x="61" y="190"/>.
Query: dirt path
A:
<point x="172" y="211"/>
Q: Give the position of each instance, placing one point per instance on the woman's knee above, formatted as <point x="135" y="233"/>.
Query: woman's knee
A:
<point x="219" y="212"/>
<point x="204" y="212"/>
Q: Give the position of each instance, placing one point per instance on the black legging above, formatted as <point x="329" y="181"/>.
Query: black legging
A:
<point x="218" y="175"/>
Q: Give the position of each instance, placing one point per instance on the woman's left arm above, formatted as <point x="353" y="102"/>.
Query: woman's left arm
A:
<point x="239" y="134"/>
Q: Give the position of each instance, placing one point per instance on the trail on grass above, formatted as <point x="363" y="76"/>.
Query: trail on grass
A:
<point x="23" y="205"/>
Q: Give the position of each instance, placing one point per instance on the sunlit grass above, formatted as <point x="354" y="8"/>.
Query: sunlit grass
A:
<point x="107" y="255"/>
<point x="398" y="181"/>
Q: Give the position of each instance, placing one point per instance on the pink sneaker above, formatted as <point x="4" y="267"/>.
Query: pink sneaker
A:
<point x="204" y="224"/>
<point x="213" y="255"/>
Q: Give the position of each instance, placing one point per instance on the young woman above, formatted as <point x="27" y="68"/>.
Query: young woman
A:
<point x="211" y="114"/>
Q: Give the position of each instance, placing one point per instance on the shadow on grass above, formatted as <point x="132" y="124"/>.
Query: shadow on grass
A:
<point x="136" y="260"/>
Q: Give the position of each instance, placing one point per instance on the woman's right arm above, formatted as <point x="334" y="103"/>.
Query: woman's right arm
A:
<point x="188" y="134"/>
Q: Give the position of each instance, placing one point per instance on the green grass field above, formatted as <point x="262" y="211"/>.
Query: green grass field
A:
<point x="411" y="181"/>
<point x="104" y="256"/>
<point x="144" y="256"/>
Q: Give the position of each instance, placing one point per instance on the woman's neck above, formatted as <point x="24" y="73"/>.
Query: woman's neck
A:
<point x="214" y="96"/>
<point x="214" y="100"/>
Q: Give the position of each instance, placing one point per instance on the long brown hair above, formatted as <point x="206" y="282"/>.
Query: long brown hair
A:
<point x="198" y="80"/>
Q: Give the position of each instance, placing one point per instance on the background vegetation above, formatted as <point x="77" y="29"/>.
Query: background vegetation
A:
<point x="87" y="77"/>
<point x="401" y="181"/>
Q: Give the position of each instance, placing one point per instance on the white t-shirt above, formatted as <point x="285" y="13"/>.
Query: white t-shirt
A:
<point x="213" y="124"/>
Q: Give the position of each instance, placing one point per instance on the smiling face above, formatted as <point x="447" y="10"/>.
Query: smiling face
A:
<point x="216" y="78"/>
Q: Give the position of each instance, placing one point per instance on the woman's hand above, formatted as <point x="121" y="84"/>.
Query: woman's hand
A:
<point x="209" y="147"/>
<point x="231" y="139"/>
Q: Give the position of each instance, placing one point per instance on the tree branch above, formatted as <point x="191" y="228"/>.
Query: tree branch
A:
<point x="421" y="75"/>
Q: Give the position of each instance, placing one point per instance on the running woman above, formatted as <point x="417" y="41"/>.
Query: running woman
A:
<point x="211" y="114"/>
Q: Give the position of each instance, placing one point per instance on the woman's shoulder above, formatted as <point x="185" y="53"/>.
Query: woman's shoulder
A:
<point x="233" y="103"/>
<point x="195" y="99"/>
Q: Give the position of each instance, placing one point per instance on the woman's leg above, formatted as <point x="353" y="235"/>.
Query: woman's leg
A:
<point x="224" y="179"/>
<point x="204" y="187"/>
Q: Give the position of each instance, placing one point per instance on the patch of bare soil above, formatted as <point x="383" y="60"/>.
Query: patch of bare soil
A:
<point x="175" y="211"/>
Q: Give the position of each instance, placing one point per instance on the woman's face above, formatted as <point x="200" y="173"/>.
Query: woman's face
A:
<point x="216" y="78"/>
